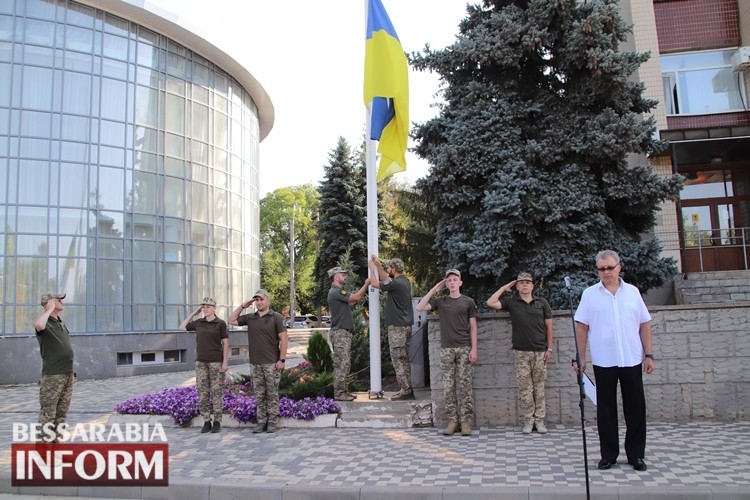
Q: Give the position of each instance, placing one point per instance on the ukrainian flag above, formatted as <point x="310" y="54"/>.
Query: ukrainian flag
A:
<point x="387" y="86"/>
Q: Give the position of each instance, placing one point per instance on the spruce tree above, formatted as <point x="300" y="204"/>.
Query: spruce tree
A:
<point x="342" y="226"/>
<point x="413" y="220"/>
<point x="529" y="152"/>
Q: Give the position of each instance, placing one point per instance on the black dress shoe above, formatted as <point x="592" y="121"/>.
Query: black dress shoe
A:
<point x="638" y="464"/>
<point x="606" y="463"/>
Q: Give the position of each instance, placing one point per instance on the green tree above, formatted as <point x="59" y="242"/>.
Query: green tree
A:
<point x="342" y="226"/>
<point x="276" y="212"/>
<point x="319" y="353"/>
<point x="412" y="219"/>
<point x="530" y="150"/>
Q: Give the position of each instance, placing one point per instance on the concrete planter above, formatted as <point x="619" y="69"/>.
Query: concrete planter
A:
<point x="328" y="420"/>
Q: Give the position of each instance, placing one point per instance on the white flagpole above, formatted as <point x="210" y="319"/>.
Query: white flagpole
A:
<point x="371" y="165"/>
<point x="372" y="249"/>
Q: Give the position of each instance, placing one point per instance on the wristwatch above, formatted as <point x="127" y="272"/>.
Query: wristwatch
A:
<point x="650" y="356"/>
<point x="283" y="360"/>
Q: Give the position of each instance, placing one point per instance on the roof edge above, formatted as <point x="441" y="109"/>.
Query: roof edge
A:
<point x="169" y="24"/>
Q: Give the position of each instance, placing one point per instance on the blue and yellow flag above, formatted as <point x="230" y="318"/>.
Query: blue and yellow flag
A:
<point x="387" y="86"/>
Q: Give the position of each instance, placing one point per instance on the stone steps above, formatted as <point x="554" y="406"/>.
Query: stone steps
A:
<point x="379" y="421"/>
<point x="379" y="412"/>
<point x="713" y="287"/>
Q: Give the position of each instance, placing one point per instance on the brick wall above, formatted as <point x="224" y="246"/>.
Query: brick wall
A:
<point x="701" y="372"/>
<point x="677" y="122"/>
<point x="685" y="25"/>
<point x="744" y="10"/>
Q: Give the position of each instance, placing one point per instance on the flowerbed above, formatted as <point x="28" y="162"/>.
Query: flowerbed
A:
<point x="182" y="404"/>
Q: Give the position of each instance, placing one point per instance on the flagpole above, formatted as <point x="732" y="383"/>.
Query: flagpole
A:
<point x="376" y="387"/>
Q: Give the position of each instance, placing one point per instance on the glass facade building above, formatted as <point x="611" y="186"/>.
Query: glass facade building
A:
<point x="128" y="168"/>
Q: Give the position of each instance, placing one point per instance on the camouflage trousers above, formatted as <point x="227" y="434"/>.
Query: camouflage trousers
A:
<point x="341" y="340"/>
<point x="210" y="382"/>
<point x="266" y="387"/>
<point x="531" y="374"/>
<point x="399" y="338"/>
<point x="457" y="374"/>
<point x="55" y="393"/>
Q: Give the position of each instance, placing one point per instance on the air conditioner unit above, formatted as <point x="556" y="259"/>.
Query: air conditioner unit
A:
<point x="741" y="59"/>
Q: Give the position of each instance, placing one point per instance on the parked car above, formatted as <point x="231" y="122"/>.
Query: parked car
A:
<point x="300" y="322"/>
<point x="326" y="320"/>
<point x="308" y="321"/>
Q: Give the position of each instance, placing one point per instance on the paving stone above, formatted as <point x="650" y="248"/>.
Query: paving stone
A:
<point x="681" y="457"/>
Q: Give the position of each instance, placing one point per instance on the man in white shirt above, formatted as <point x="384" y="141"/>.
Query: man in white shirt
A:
<point x="613" y="316"/>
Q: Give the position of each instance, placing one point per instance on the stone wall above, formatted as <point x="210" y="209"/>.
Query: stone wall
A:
<point x="702" y="357"/>
<point x="96" y="354"/>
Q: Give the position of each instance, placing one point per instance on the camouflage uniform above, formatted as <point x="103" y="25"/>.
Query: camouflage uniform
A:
<point x="55" y="392"/>
<point x="56" y="385"/>
<point x="531" y="374"/>
<point x="266" y="384"/>
<point x="398" y="343"/>
<point x="457" y="371"/>
<point x="341" y="340"/>
<point x="210" y="382"/>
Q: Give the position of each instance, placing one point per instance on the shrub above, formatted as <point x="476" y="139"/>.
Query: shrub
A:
<point x="295" y="375"/>
<point x="319" y="354"/>
<point x="320" y="384"/>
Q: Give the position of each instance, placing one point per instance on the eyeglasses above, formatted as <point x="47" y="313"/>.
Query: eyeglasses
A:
<point x="607" y="268"/>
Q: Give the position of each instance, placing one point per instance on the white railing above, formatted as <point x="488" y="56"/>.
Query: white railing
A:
<point x="704" y="240"/>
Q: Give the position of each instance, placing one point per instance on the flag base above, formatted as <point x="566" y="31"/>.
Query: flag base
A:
<point x="375" y="394"/>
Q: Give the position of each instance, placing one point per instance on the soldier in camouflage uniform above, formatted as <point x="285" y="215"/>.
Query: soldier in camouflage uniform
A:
<point x="458" y="349"/>
<point x="211" y="361"/>
<point x="399" y="318"/>
<point x="342" y="325"/>
<point x="531" y="319"/>
<point x="56" y="385"/>
<point x="267" y="340"/>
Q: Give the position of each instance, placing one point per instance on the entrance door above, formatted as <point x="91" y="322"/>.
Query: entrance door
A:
<point x="710" y="239"/>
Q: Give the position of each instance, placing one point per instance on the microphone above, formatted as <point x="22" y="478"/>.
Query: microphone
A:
<point x="567" y="282"/>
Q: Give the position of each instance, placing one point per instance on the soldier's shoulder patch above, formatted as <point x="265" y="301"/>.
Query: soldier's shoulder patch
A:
<point x="342" y="292"/>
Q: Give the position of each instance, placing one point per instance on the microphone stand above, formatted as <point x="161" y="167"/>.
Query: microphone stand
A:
<point x="582" y="390"/>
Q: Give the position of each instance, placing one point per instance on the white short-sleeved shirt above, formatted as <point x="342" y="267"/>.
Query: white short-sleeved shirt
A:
<point x="614" y="323"/>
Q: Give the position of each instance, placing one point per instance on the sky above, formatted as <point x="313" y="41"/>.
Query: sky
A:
<point x="309" y="57"/>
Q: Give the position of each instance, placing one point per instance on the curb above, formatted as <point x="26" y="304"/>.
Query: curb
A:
<point x="321" y="421"/>
<point x="190" y="489"/>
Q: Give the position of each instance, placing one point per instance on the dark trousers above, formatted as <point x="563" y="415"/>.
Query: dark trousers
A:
<point x="633" y="407"/>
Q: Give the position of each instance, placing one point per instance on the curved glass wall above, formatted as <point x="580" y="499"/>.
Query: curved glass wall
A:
<point x="128" y="173"/>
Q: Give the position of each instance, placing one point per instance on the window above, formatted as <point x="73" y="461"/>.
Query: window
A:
<point x="158" y="357"/>
<point x="148" y="357"/>
<point x="706" y="184"/>
<point x="124" y="358"/>
<point x="129" y="158"/>
<point x="174" y="356"/>
<point x="701" y="83"/>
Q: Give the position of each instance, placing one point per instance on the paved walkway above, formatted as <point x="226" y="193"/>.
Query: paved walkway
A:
<point x="692" y="460"/>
